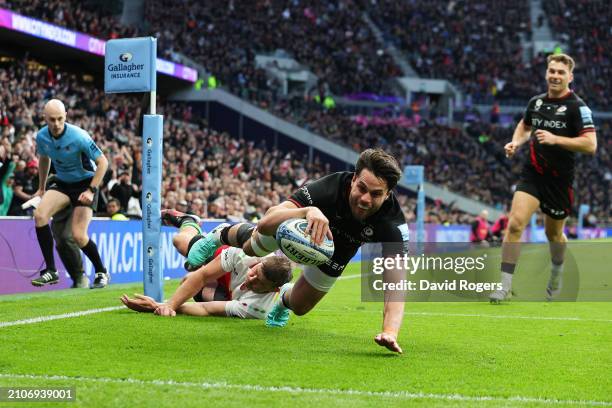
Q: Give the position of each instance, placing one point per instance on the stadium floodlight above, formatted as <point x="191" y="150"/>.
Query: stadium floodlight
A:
<point x="416" y="175"/>
<point x="129" y="66"/>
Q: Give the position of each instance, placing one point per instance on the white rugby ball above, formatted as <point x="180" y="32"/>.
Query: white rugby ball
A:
<point x="296" y="244"/>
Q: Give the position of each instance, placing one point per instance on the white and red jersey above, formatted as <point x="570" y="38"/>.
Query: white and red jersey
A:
<point x="244" y="303"/>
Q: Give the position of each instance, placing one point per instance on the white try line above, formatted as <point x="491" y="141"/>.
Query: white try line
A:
<point x="60" y="316"/>
<point x="299" y="390"/>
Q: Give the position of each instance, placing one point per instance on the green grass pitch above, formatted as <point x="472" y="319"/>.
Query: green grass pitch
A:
<point x="464" y="354"/>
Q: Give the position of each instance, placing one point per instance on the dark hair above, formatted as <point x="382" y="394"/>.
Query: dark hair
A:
<point x="277" y="269"/>
<point x="114" y="200"/>
<point x="382" y="164"/>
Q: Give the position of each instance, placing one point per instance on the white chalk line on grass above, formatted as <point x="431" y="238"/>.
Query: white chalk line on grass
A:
<point x="576" y="319"/>
<point x="299" y="390"/>
<point x="355" y="276"/>
<point x="60" y="316"/>
<point x="573" y="319"/>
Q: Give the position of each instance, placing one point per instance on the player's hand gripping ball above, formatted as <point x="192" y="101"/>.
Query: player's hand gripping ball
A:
<point x="298" y="246"/>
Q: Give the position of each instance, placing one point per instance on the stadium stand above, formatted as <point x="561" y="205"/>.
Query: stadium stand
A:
<point x="318" y="28"/>
<point x="216" y="175"/>
<point x="585" y="26"/>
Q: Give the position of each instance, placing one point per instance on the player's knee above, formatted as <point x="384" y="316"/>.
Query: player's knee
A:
<point x="301" y="309"/>
<point x="515" y="226"/>
<point x="41" y="217"/>
<point x="80" y="237"/>
<point x="180" y="243"/>
<point x="554" y="235"/>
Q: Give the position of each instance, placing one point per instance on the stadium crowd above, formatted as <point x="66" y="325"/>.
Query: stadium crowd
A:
<point x="206" y="172"/>
<point x="585" y="26"/>
<point x="327" y="41"/>
<point x="471" y="42"/>
<point x="96" y="18"/>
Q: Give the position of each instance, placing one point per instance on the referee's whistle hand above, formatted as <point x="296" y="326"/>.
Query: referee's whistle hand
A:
<point x="86" y="197"/>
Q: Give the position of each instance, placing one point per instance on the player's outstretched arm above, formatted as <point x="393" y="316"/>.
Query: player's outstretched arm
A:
<point x="277" y="214"/>
<point x="216" y="308"/>
<point x="393" y="315"/>
<point x="140" y="303"/>
<point x="194" y="282"/>
<point x="393" y="312"/>
<point x="318" y="224"/>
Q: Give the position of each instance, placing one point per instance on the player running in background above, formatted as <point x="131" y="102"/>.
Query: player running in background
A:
<point x="351" y="208"/>
<point x="247" y="285"/>
<point x="73" y="153"/>
<point x="557" y="124"/>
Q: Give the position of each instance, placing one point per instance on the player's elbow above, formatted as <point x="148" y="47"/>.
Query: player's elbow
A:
<point x="102" y="162"/>
<point x="592" y="148"/>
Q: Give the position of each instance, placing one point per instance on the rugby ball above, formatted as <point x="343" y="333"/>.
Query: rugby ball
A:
<point x="295" y="243"/>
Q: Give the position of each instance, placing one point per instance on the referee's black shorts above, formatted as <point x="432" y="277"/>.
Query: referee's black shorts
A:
<point x="74" y="190"/>
<point x="555" y="193"/>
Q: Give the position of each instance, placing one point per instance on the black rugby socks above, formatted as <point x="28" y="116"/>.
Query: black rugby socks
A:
<point x="91" y="250"/>
<point x="45" y="240"/>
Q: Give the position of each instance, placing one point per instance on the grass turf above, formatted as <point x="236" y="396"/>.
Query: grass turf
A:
<point x="520" y="354"/>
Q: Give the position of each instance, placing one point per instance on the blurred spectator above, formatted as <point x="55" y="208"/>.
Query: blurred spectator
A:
<point x="113" y="210"/>
<point x="498" y="231"/>
<point x="24" y="187"/>
<point x="480" y="232"/>
<point x="123" y="190"/>
<point x="6" y="185"/>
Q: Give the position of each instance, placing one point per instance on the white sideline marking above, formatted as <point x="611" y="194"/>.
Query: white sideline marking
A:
<point x="574" y="319"/>
<point x="355" y="276"/>
<point x="61" y="316"/>
<point x="300" y="390"/>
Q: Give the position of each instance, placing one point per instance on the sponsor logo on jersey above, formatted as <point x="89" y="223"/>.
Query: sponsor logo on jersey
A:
<point x="306" y="194"/>
<point x="586" y="114"/>
<point x="404" y="231"/>
<point x="545" y="123"/>
<point x="538" y="104"/>
<point x="367" y="232"/>
<point x="561" y="110"/>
